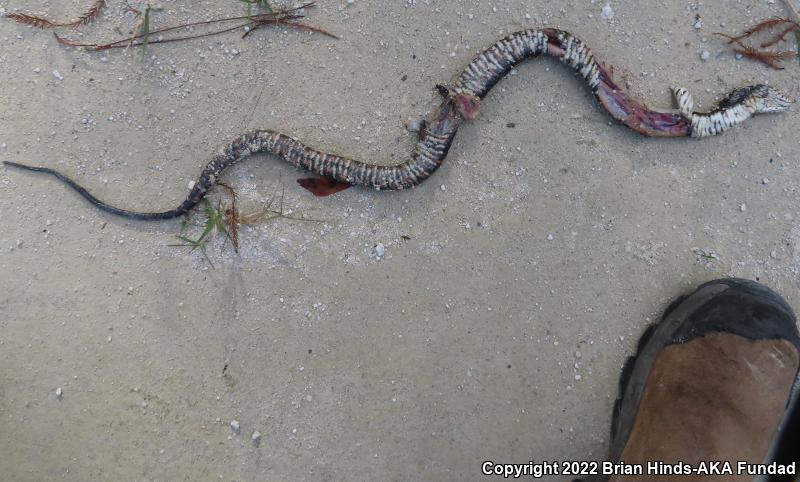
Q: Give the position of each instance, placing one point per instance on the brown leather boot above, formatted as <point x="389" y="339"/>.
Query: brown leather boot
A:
<point x="710" y="383"/>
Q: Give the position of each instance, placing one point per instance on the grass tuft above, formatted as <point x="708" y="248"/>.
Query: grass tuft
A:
<point x="221" y="220"/>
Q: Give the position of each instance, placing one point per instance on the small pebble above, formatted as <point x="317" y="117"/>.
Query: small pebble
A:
<point x="57" y="75"/>
<point x="705" y="55"/>
<point x="380" y="250"/>
<point x="765" y="181"/>
<point x="698" y="24"/>
<point x="256" y="438"/>
<point x="743" y="207"/>
<point x="607" y="13"/>
<point x="235" y="426"/>
<point x="414" y="124"/>
<point x="59" y="393"/>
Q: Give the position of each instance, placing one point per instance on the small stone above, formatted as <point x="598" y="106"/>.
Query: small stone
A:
<point x="235" y="426"/>
<point x="698" y="24"/>
<point x="58" y="75"/>
<point x="607" y="13"/>
<point x="743" y="207"/>
<point x="578" y="376"/>
<point x="765" y="181"/>
<point x="443" y="187"/>
<point x="380" y="250"/>
<point x="549" y="237"/>
<point x="256" y="438"/>
<point x="59" y="393"/>
<point x="705" y="55"/>
<point x="414" y="124"/>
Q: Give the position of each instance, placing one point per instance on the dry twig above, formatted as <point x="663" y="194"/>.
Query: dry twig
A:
<point x="250" y="23"/>
<point x="768" y="57"/>
<point x="42" y="22"/>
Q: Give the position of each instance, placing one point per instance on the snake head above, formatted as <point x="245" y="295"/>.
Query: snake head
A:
<point x="762" y="98"/>
<point x="768" y="100"/>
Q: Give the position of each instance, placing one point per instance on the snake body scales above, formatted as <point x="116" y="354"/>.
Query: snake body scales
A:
<point x="462" y="102"/>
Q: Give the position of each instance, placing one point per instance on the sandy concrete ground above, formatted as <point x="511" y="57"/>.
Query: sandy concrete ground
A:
<point x="534" y="259"/>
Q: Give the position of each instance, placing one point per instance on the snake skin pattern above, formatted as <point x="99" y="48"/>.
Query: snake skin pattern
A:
<point x="462" y="102"/>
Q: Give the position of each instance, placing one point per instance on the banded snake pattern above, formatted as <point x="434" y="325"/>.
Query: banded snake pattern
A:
<point x="461" y="102"/>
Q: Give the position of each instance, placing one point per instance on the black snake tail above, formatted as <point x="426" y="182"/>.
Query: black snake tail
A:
<point x="182" y="209"/>
<point x="462" y="102"/>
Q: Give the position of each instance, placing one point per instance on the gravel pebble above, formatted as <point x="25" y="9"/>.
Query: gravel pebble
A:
<point x="607" y="13"/>
<point x="414" y="124"/>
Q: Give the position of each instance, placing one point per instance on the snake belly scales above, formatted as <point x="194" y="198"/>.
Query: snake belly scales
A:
<point x="461" y="101"/>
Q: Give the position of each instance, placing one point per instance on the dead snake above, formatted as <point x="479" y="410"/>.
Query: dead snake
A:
<point x="462" y="102"/>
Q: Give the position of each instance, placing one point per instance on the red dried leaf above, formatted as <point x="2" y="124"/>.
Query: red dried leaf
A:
<point x="322" y="186"/>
